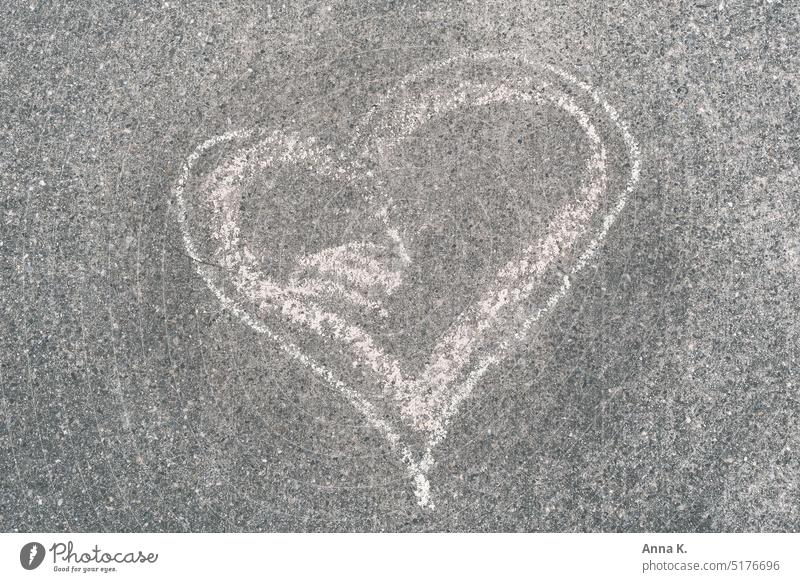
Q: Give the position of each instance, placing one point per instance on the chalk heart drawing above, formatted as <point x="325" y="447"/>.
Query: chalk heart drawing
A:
<point x="307" y="314"/>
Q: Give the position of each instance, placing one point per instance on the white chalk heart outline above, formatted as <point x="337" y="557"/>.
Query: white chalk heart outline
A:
<point x="427" y="402"/>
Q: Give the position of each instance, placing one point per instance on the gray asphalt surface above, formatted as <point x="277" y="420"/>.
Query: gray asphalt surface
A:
<point x="661" y="394"/>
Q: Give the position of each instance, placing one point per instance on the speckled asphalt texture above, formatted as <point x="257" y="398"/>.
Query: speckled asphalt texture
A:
<point x="661" y="394"/>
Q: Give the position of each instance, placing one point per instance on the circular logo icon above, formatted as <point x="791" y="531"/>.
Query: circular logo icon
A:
<point x="31" y="555"/>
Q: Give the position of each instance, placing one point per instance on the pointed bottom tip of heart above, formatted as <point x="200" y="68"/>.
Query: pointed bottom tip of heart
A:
<point x="422" y="491"/>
